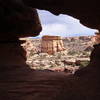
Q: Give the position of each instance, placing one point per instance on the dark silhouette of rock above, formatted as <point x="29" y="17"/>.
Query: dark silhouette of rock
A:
<point x="83" y="10"/>
<point x="17" y="80"/>
<point x="86" y="10"/>
<point x="18" y="20"/>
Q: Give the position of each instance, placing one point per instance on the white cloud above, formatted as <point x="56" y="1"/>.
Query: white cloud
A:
<point x="62" y="25"/>
<point x="54" y="29"/>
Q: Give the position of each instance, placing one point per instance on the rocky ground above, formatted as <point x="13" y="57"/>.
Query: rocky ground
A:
<point x="75" y="56"/>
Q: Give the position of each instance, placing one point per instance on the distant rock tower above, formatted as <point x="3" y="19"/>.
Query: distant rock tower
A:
<point x="52" y="44"/>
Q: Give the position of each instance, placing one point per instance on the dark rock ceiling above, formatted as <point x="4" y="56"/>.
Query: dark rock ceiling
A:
<point x="88" y="11"/>
<point x="18" y="18"/>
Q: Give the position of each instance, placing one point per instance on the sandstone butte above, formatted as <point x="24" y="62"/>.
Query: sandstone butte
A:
<point x="52" y="44"/>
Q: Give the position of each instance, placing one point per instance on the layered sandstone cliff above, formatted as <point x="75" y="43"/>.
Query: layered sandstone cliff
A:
<point x="52" y="44"/>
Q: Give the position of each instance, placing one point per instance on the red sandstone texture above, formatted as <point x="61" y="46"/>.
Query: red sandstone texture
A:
<point x="52" y="44"/>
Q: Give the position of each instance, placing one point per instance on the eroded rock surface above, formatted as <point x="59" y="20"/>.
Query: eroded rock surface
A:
<point x="27" y="84"/>
<point x="52" y="44"/>
<point x="19" y="82"/>
<point x="18" y="20"/>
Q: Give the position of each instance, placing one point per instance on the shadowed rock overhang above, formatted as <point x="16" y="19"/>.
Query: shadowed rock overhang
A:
<point x="17" y="80"/>
<point x="87" y="11"/>
<point x="18" y="17"/>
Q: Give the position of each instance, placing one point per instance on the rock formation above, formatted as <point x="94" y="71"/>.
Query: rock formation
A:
<point x="22" y="9"/>
<point x="19" y="82"/>
<point x="18" y="20"/>
<point x="86" y="11"/>
<point x="97" y="38"/>
<point x="52" y="44"/>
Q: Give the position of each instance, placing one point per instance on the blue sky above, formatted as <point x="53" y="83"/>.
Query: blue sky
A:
<point x="62" y="25"/>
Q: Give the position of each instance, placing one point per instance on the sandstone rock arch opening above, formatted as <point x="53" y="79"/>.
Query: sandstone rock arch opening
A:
<point x="83" y="10"/>
<point x="47" y="46"/>
<point x="18" y="82"/>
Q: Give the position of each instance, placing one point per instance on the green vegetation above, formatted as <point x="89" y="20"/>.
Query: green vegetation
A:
<point x="84" y="63"/>
<point x="72" y="53"/>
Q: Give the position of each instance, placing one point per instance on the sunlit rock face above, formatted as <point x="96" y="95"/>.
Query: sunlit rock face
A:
<point x="86" y="11"/>
<point x="52" y="44"/>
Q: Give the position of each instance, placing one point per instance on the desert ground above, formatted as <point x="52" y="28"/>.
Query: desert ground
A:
<point x="75" y="56"/>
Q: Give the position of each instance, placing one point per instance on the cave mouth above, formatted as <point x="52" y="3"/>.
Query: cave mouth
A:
<point x="77" y="40"/>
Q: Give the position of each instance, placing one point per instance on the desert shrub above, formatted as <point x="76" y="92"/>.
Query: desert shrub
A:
<point x="84" y="63"/>
<point x="31" y="53"/>
<point x="86" y="53"/>
<point x="72" y="52"/>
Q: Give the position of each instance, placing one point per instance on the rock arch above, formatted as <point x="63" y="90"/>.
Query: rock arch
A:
<point x="17" y="81"/>
<point x="87" y="11"/>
